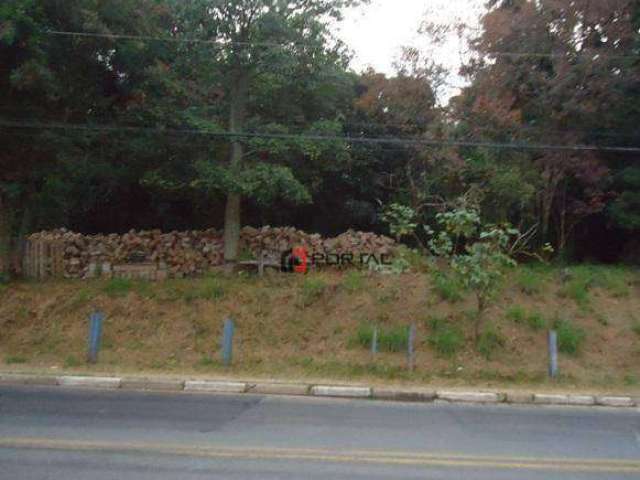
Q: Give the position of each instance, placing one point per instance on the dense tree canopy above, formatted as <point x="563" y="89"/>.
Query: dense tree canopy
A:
<point x="120" y="114"/>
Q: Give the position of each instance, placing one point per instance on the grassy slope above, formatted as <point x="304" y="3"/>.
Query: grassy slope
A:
<point x="319" y="325"/>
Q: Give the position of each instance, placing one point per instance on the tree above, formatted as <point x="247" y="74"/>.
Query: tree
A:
<point x="556" y="72"/>
<point x="53" y="80"/>
<point x="477" y="253"/>
<point x="260" y="46"/>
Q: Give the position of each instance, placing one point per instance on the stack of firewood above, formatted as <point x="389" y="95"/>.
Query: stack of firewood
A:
<point x="186" y="254"/>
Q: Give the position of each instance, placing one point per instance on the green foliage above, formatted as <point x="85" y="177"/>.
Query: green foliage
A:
<point x="263" y="183"/>
<point x="354" y="281"/>
<point x="71" y="361"/>
<point x="206" y="289"/>
<point x="14" y="359"/>
<point x="489" y="342"/>
<point x="482" y="265"/>
<point x="448" y="287"/>
<point x="516" y="314"/>
<point x="118" y="287"/>
<point x="625" y="209"/>
<point x="81" y="298"/>
<point x="416" y="260"/>
<point x="391" y="340"/>
<point x="394" y="339"/>
<point x="570" y="337"/>
<point x="311" y="290"/>
<point x="445" y="337"/>
<point x="529" y="280"/>
<point x="583" y="278"/>
<point x="536" y="321"/>
<point x="613" y="279"/>
<point x="577" y="287"/>
<point x="401" y="220"/>
<point x="635" y="328"/>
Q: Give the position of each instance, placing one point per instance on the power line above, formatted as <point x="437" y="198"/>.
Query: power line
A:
<point x="223" y="44"/>
<point x="293" y="128"/>
<point x="312" y="137"/>
<point x="217" y="43"/>
<point x="568" y="55"/>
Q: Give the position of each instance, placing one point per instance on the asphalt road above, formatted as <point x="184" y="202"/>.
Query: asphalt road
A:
<point x="55" y="433"/>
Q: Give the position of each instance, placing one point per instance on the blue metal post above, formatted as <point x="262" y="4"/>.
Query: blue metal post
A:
<point x="95" y="333"/>
<point x="553" y="354"/>
<point x="374" y="341"/>
<point x="410" y="351"/>
<point x="227" y="342"/>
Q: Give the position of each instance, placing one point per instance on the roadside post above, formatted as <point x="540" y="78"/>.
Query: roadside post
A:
<point x="553" y="353"/>
<point x="227" y="342"/>
<point x="95" y="333"/>
<point x="410" y="349"/>
<point x="374" y="341"/>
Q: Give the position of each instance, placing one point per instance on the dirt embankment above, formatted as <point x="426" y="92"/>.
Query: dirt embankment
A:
<point x="319" y="325"/>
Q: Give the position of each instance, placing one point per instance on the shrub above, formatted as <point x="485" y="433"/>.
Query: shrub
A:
<point x="364" y="335"/>
<point x="13" y="359"/>
<point x="446" y="339"/>
<point x="447" y="288"/>
<point x="353" y="281"/>
<point x="391" y="340"/>
<point x="490" y="340"/>
<point x="529" y="281"/>
<point x="118" y="287"/>
<point x="417" y="260"/>
<point x="570" y="337"/>
<point x="636" y="328"/>
<point x="207" y="289"/>
<point x="516" y="314"/>
<point x="577" y="288"/>
<point x="71" y="362"/>
<point x="536" y="321"/>
<point x="312" y="289"/>
<point x="614" y="280"/>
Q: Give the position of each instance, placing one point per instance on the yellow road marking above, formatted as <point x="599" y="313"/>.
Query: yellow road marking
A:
<point x="356" y="456"/>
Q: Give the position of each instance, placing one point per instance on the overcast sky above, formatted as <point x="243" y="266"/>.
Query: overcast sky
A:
<point x="377" y="32"/>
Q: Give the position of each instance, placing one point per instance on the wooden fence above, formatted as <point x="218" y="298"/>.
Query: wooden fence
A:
<point x="43" y="259"/>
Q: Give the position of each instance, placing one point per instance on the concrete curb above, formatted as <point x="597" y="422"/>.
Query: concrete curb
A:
<point x="340" y="391"/>
<point x="214" y="386"/>
<point x="90" y="382"/>
<point x="160" y="384"/>
<point x="549" y="399"/>
<point x="19" y="379"/>
<point x="615" y="401"/>
<point x="471" y="397"/>
<point x="267" y="388"/>
<point x="398" y="394"/>
<point x="519" y="398"/>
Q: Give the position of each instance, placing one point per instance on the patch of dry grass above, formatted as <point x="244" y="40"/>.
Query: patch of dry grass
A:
<point x="298" y="326"/>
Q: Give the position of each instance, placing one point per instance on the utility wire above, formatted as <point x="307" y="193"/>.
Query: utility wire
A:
<point x="217" y="43"/>
<point x="223" y="44"/>
<point x="354" y="140"/>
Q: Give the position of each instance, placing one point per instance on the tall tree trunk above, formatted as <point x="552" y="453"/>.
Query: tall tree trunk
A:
<point x="233" y="211"/>
<point x="5" y="239"/>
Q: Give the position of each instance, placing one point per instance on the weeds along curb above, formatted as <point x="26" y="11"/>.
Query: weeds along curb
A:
<point x="415" y="395"/>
